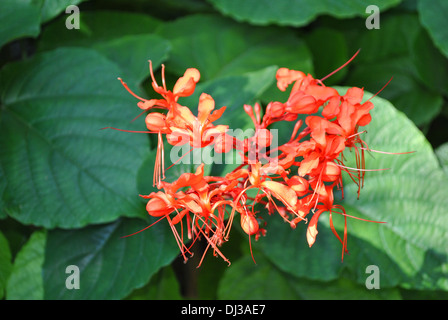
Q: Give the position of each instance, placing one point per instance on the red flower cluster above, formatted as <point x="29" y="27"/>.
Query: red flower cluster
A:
<point x="298" y="182"/>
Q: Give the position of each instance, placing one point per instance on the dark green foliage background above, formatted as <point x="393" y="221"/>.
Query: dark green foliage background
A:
<point x="69" y="191"/>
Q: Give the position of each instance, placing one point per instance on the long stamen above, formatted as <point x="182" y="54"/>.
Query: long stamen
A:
<point x="131" y="131"/>
<point x="381" y="89"/>
<point x="129" y="235"/>
<point x="341" y="67"/>
<point x="159" y="166"/>
<point x="358" y="169"/>
<point x="181" y="245"/>
<point x="180" y="158"/>
<point x="251" y="252"/>
<point x="356" y="134"/>
<point x="357" y="218"/>
<point x="130" y="91"/>
<point x="385" y="152"/>
<point x="210" y="242"/>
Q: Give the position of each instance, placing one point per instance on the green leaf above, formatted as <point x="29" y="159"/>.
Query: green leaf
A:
<point x="220" y="47"/>
<point x="410" y="247"/>
<point x="430" y="63"/>
<point x="162" y="286"/>
<point x="25" y="281"/>
<point x="433" y="18"/>
<point x="123" y="37"/>
<point x="19" y="18"/>
<point x="22" y="18"/>
<point x="401" y="52"/>
<point x="110" y="267"/>
<point x="5" y="263"/>
<point x="60" y="169"/>
<point x="329" y="51"/>
<point x="288" y="250"/>
<point x="2" y="190"/>
<point x="51" y="8"/>
<point x="98" y="26"/>
<point x="294" y="12"/>
<point x="421" y="104"/>
<point x="247" y="281"/>
<point x="442" y="155"/>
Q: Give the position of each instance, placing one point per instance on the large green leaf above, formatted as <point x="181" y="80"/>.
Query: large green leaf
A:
<point x="442" y="155"/>
<point x="2" y="189"/>
<point x="98" y="26"/>
<point x="329" y="50"/>
<point x="60" y="168"/>
<point x="410" y="247"/>
<point x="19" y="18"/>
<point x="25" y="281"/>
<point x="400" y="50"/>
<point x="51" y="8"/>
<point x="125" y="38"/>
<point x="110" y="267"/>
<point x="247" y="281"/>
<point x="5" y="263"/>
<point x="162" y="286"/>
<point x="288" y="249"/>
<point x="433" y="17"/>
<point x="23" y="18"/>
<point x="221" y="47"/>
<point x="294" y="12"/>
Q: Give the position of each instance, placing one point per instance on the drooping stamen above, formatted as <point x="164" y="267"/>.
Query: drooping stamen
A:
<point x="210" y="243"/>
<point x="159" y="166"/>
<point x="251" y="252"/>
<point x="341" y="67"/>
<point x="179" y="240"/>
<point x="333" y="229"/>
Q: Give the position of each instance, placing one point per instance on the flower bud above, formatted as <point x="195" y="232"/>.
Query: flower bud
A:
<point x="249" y="224"/>
<point x="264" y="138"/>
<point x="155" y="121"/>
<point x="299" y="185"/>
<point x="332" y="172"/>
<point x="156" y="207"/>
<point x="275" y="109"/>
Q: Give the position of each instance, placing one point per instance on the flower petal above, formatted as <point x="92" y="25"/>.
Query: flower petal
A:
<point x="282" y="192"/>
<point x="205" y="107"/>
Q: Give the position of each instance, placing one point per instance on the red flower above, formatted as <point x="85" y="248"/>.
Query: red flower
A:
<point x="295" y="179"/>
